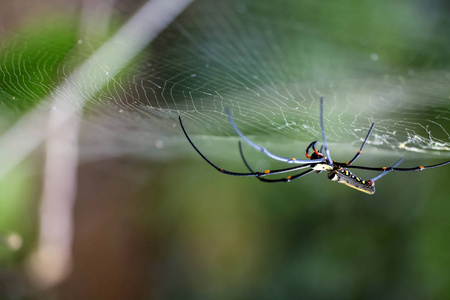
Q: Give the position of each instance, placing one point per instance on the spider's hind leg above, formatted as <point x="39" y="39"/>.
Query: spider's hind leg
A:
<point x="269" y="172"/>
<point x="390" y="169"/>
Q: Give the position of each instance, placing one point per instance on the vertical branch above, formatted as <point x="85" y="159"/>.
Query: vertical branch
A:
<point x="53" y="259"/>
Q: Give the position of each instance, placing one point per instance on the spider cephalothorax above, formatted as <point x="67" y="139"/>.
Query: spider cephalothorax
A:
<point x="317" y="161"/>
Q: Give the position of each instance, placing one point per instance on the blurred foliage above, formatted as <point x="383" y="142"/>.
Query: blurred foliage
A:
<point x="17" y="212"/>
<point x="284" y="241"/>
<point x="31" y="61"/>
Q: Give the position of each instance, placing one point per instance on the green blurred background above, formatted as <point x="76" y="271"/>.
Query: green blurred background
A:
<point x="152" y="220"/>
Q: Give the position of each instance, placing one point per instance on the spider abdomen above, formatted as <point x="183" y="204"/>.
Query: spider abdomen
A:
<point x="342" y="175"/>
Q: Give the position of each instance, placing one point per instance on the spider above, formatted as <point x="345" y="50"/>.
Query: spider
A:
<point x="317" y="161"/>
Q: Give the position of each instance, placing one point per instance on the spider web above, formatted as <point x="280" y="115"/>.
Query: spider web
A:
<point x="268" y="62"/>
<point x="98" y="79"/>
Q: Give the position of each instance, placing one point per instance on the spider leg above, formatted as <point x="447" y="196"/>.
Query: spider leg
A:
<point x="327" y="151"/>
<point x="272" y="172"/>
<point x="386" y="172"/>
<point x="243" y="157"/>
<point x="252" y="174"/>
<point x="264" y="150"/>
<point x="312" y="145"/>
<point x="385" y="169"/>
<point x="286" y="179"/>
<point x="362" y="146"/>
